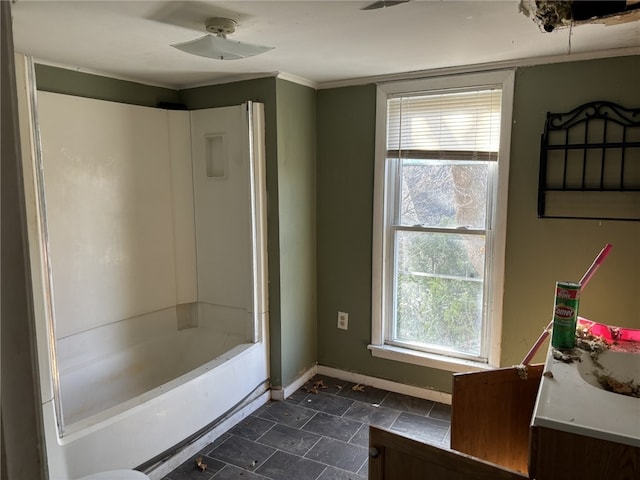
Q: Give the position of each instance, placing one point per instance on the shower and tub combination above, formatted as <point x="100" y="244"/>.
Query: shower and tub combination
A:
<point x="147" y="233"/>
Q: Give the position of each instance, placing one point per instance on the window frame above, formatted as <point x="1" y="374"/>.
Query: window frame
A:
<point x="382" y="262"/>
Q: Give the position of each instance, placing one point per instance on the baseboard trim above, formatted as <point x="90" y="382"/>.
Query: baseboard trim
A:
<point x="383" y="384"/>
<point x="282" y="394"/>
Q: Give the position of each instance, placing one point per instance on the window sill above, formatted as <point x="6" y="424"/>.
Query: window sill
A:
<point x="431" y="360"/>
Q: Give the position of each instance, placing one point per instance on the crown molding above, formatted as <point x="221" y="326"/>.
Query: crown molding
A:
<point x="99" y="73"/>
<point x="483" y="67"/>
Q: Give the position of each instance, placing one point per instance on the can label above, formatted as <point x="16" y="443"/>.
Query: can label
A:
<point x="565" y="315"/>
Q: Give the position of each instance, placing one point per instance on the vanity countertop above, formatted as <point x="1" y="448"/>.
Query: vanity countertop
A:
<point x="569" y="399"/>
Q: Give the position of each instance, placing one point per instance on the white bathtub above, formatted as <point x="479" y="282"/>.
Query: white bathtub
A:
<point x="119" y="415"/>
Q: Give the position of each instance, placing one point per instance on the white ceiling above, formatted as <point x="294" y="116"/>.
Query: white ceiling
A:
<point x="321" y="43"/>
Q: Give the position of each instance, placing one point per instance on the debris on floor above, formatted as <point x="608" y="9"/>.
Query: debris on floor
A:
<point x="315" y="387"/>
<point x="200" y="465"/>
<point x="358" y="388"/>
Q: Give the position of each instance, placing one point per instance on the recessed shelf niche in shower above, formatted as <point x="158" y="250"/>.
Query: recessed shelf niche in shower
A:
<point x="216" y="156"/>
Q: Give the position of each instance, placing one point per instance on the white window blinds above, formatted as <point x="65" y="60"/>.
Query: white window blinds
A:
<point x="452" y="126"/>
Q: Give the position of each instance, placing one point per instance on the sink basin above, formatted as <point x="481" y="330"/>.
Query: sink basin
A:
<point x="619" y="366"/>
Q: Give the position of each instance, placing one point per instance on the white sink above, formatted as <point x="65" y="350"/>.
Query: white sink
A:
<point x="621" y="366"/>
<point x="571" y="399"/>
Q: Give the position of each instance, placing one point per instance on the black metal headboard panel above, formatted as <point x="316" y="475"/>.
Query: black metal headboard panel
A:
<point x="593" y="148"/>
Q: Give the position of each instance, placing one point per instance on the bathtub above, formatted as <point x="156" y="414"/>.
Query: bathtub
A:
<point x="118" y="415"/>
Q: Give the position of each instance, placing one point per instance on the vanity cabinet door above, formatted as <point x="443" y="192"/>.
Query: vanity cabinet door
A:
<point x="555" y="454"/>
<point x="491" y="414"/>
<point x="394" y="457"/>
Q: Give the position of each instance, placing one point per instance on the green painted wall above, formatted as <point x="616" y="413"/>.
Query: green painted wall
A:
<point x="296" y="125"/>
<point x="542" y="251"/>
<point x="539" y="251"/>
<point x="346" y="136"/>
<point x="70" y="82"/>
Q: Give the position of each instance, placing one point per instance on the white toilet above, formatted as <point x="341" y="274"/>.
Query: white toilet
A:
<point x="116" y="475"/>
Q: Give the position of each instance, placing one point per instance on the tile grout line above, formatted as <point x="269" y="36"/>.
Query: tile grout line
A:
<point x="257" y="440"/>
<point x="307" y="422"/>
<point x="322" y="472"/>
<point x="263" y="463"/>
<point x="311" y="448"/>
<point x="363" y="463"/>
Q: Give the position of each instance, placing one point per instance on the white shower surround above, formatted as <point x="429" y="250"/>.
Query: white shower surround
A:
<point x="127" y="432"/>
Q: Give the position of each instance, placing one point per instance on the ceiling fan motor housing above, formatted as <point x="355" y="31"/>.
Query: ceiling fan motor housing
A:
<point x="221" y="26"/>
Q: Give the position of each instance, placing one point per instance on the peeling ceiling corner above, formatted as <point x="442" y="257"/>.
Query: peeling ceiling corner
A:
<point x="553" y="14"/>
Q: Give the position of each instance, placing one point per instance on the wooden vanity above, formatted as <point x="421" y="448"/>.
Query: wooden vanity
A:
<point x="492" y="437"/>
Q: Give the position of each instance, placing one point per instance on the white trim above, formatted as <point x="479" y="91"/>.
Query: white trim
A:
<point x="378" y="265"/>
<point x="500" y="222"/>
<point x="413" y="391"/>
<point x="251" y="76"/>
<point x="381" y="256"/>
<point x="205" y="83"/>
<point x="240" y="77"/>
<point x="482" y="67"/>
<point x="282" y="394"/>
<point x="389" y="385"/>
<point x="299" y="80"/>
<point x="471" y="79"/>
<point x="161" y="470"/>
<point x="100" y="73"/>
<point x="431" y="360"/>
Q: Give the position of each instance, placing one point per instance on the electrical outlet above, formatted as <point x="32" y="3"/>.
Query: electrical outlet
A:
<point x="343" y="320"/>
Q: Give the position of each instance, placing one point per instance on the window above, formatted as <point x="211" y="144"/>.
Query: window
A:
<point x="440" y="219"/>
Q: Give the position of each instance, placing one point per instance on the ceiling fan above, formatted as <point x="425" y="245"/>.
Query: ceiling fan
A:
<point x="217" y="45"/>
<point x="383" y="4"/>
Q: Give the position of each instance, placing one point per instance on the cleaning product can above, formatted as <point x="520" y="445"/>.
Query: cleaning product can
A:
<point x="565" y="315"/>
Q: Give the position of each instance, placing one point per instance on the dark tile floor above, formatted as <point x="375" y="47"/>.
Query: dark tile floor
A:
<point x="316" y="436"/>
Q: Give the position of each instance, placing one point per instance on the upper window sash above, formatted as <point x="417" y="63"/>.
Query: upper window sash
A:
<point x="458" y="124"/>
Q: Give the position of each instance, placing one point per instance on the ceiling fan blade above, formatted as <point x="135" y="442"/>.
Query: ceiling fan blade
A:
<point x="383" y="4"/>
